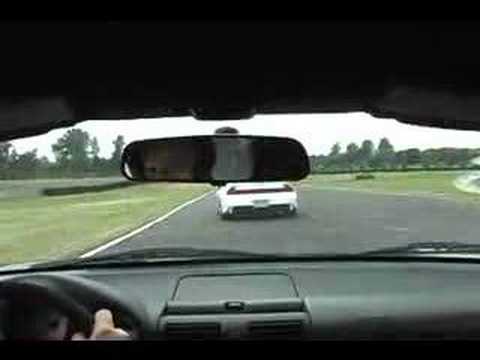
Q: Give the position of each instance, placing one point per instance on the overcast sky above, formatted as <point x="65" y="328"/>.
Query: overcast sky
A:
<point x="317" y="132"/>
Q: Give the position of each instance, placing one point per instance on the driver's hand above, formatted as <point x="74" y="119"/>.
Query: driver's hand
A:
<point x="104" y="328"/>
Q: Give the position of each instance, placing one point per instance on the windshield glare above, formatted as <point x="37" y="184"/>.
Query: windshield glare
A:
<point x="374" y="184"/>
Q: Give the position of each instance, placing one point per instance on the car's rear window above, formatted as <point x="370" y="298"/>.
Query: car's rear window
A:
<point x="259" y="189"/>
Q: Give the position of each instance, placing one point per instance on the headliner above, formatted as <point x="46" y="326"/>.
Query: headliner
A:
<point x="56" y="75"/>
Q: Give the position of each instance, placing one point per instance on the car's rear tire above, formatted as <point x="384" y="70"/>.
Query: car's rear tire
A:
<point x="223" y="216"/>
<point x="226" y="216"/>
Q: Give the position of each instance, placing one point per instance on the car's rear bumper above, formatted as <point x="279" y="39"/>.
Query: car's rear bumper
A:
<point x="272" y="209"/>
<point x="257" y="204"/>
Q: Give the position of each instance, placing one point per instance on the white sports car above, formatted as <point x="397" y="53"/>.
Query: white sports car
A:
<point x="250" y="198"/>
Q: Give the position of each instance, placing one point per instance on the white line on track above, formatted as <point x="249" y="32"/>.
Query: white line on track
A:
<point x="143" y="227"/>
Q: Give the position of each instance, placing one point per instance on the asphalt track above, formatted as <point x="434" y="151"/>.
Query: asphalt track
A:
<point x="328" y="221"/>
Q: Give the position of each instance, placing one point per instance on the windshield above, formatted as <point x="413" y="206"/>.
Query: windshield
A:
<point x="375" y="184"/>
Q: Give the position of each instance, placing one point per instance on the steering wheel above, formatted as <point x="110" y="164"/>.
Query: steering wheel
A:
<point x="76" y="298"/>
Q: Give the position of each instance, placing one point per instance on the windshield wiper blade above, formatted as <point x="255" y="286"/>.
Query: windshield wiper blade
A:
<point x="167" y="252"/>
<point x="154" y="255"/>
<point x="188" y="254"/>
<point x="429" y="248"/>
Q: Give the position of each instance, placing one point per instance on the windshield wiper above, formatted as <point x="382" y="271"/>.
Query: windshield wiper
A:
<point x="428" y="248"/>
<point x="189" y="254"/>
<point x="176" y="254"/>
<point x="155" y="255"/>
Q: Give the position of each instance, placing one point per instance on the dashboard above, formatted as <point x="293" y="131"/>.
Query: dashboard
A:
<point x="306" y="300"/>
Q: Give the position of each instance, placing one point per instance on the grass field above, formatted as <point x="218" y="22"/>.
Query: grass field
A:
<point x="432" y="184"/>
<point x="36" y="228"/>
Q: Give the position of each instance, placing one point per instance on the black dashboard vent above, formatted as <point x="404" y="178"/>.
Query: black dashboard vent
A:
<point x="191" y="331"/>
<point x="276" y="329"/>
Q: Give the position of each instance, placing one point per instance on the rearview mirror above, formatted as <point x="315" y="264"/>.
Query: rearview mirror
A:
<point x="216" y="159"/>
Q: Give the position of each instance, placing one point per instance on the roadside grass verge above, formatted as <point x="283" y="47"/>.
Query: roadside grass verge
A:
<point x="438" y="184"/>
<point x="38" y="228"/>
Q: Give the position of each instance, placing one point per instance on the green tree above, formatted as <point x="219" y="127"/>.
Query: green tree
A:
<point x="317" y="163"/>
<point x="431" y="158"/>
<point x="5" y="148"/>
<point x="352" y="154"/>
<point x="13" y="156"/>
<point x="335" y="150"/>
<point x="24" y="165"/>
<point x="456" y="157"/>
<point x="96" y="162"/>
<point x="94" y="148"/>
<point x="43" y="161"/>
<point x="366" y="153"/>
<point x="72" y="150"/>
<point x="5" y="153"/>
<point x="408" y="158"/>
<point x="414" y="156"/>
<point x="335" y="158"/>
<point x="385" y="155"/>
<point x="44" y="164"/>
<point x="118" y="145"/>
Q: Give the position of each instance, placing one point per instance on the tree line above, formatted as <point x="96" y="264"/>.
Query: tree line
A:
<point x="76" y="155"/>
<point x="367" y="157"/>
